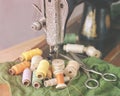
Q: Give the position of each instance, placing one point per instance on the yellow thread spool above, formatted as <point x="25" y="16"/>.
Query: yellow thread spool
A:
<point x="42" y="69"/>
<point x="29" y="54"/>
<point x="19" y="68"/>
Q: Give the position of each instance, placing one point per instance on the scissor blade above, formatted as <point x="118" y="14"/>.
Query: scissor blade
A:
<point x="66" y="57"/>
<point x="77" y="58"/>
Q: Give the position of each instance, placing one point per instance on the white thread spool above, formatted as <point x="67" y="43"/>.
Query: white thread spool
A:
<point x="75" y="48"/>
<point x="92" y="52"/>
<point x="26" y="77"/>
<point x="58" y="64"/>
<point x="72" y="68"/>
<point x="53" y="82"/>
<point x="35" y="62"/>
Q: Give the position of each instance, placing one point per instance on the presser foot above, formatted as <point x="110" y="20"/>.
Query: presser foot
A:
<point x="53" y="52"/>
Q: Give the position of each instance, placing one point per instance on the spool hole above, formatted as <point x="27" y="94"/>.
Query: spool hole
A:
<point x="36" y="85"/>
<point x="70" y="72"/>
<point x="26" y="83"/>
<point x="39" y="76"/>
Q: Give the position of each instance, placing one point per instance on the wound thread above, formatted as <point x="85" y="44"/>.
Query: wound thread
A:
<point x="72" y="68"/>
<point x="70" y="38"/>
<point x="36" y="82"/>
<point x="53" y="82"/>
<point x="35" y="62"/>
<point x="49" y="73"/>
<point x="75" y="48"/>
<point x="26" y="77"/>
<point x="42" y="69"/>
<point x="29" y="54"/>
<point x="92" y="52"/>
<point x="19" y="68"/>
<point x="58" y="64"/>
<point x="60" y="79"/>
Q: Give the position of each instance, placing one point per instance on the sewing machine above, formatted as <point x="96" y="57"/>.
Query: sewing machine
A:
<point x="94" y="27"/>
<point x="54" y="17"/>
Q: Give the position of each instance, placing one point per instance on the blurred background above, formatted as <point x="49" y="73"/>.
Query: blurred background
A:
<point x="17" y="16"/>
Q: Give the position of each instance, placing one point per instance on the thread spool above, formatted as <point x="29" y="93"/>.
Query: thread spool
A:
<point x="26" y="77"/>
<point x="19" y="68"/>
<point x="71" y="38"/>
<point x="42" y="69"/>
<point x="75" y="48"/>
<point x="60" y="79"/>
<point x="49" y="73"/>
<point x="29" y="54"/>
<point x="53" y="82"/>
<point x="36" y="82"/>
<point x="58" y="64"/>
<point x="72" y="68"/>
<point x="92" y="52"/>
<point x="35" y="62"/>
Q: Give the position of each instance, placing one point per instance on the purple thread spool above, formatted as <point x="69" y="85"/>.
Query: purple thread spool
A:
<point x="26" y="77"/>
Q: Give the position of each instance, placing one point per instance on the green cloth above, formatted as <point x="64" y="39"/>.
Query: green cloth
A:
<point x="75" y="87"/>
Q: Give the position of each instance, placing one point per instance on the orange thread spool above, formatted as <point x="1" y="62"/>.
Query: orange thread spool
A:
<point x="19" y="68"/>
<point x="60" y="79"/>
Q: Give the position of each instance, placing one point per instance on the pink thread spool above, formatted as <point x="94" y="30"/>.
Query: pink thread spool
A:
<point x="26" y="77"/>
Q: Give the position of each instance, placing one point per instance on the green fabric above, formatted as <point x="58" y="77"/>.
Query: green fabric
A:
<point x="75" y="87"/>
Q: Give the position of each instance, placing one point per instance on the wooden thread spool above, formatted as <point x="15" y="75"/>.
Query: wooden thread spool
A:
<point x="58" y="64"/>
<point x="53" y="82"/>
<point x="36" y="82"/>
<point x="75" y="48"/>
<point x="49" y="73"/>
<point x="60" y="79"/>
<point x="19" y="68"/>
<point x="42" y="69"/>
<point x="92" y="52"/>
<point x="29" y="54"/>
<point x="72" y="68"/>
<point x="35" y="62"/>
<point x="26" y="77"/>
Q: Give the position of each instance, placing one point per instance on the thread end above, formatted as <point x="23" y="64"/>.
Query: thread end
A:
<point x="11" y="71"/>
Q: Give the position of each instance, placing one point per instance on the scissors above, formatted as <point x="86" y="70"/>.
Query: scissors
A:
<point x="94" y="82"/>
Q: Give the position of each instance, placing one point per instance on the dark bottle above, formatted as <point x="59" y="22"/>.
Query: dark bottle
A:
<point x="95" y="24"/>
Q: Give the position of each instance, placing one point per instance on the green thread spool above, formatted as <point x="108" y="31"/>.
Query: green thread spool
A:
<point x="36" y="82"/>
<point x="71" y="38"/>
